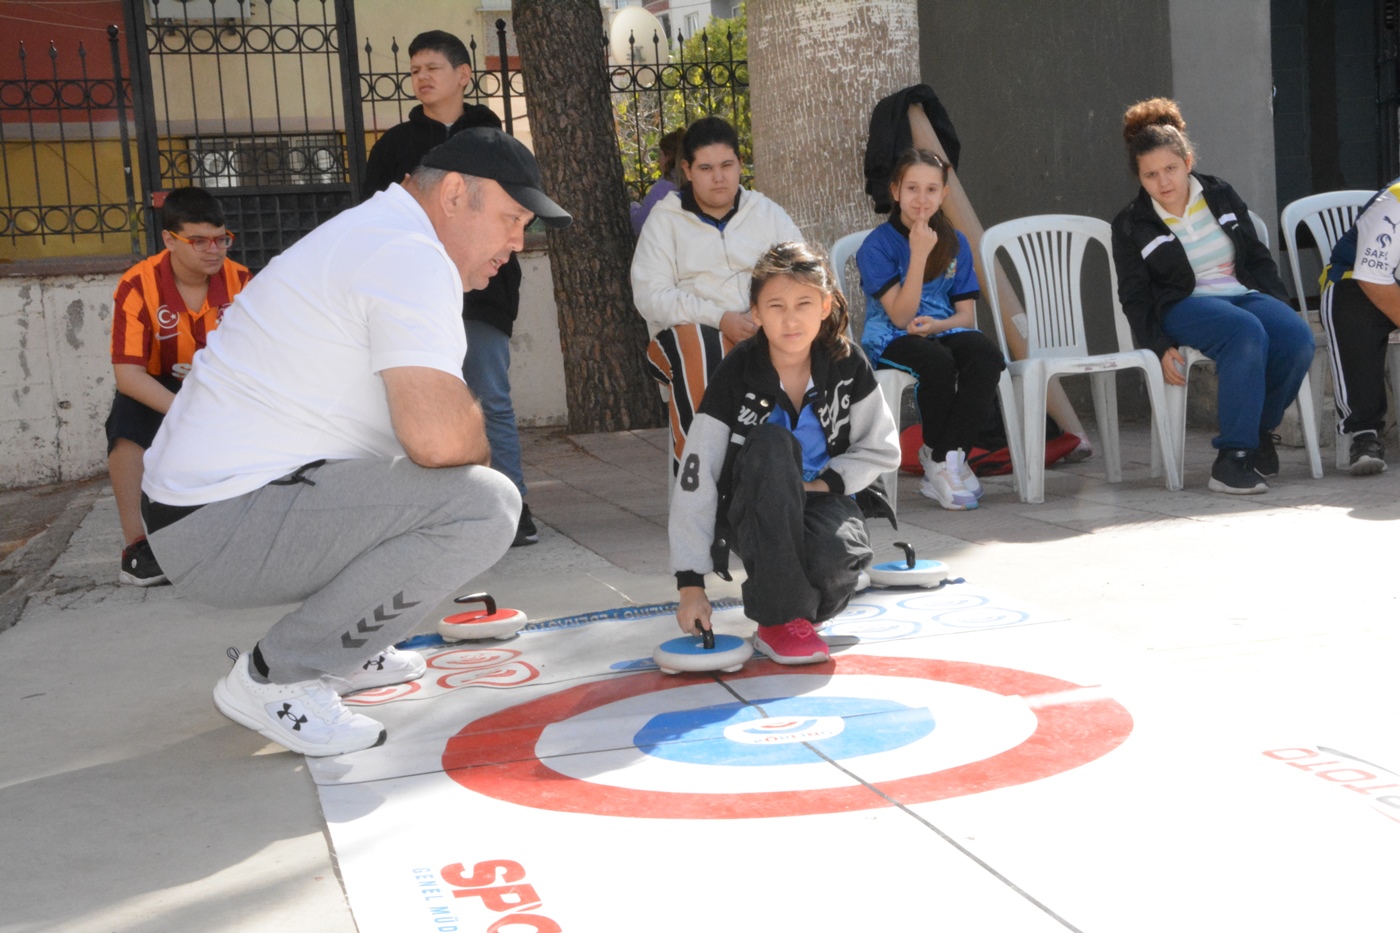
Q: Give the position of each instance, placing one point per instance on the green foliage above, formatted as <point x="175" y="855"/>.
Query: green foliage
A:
<point x="708" y="76"/>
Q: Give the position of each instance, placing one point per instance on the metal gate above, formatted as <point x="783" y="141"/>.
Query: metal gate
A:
<point x="257" y="100"/>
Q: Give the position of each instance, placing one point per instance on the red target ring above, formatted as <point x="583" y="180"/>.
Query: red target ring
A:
<point x="1071" y="731"/>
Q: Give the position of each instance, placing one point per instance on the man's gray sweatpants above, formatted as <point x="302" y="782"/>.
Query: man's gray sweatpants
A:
<point x="370" y="546"/>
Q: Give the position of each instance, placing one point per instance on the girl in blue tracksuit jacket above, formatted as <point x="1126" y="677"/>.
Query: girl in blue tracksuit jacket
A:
<point x="791" y="432"/>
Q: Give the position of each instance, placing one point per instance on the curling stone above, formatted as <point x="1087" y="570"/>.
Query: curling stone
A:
<point x="481" y="623"/>
<point x="908" y="572"/>
<point x="703" y="652"/>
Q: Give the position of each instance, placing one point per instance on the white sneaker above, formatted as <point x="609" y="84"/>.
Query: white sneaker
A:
<point x="969" y="479"/>
<point x="943" y="486"/>
<point x="306" y="717"/>
<point x="388" y="667"/>
<point x="1082" y="451"/>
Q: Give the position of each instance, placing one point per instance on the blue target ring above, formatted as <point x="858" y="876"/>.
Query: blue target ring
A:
<point x="783" y="731"/>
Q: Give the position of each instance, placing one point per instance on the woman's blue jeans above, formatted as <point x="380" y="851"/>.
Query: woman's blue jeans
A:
<point x="1262" y="350"/>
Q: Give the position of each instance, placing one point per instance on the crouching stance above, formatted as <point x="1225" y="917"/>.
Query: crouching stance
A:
<point x="326" y="451"/>
<point x="791" y="434"/>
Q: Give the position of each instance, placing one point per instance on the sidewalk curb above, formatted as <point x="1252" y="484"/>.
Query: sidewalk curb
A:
<point x="31" y="563"/>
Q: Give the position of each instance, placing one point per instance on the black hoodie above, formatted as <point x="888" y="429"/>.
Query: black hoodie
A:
<point x="397" y="153"/>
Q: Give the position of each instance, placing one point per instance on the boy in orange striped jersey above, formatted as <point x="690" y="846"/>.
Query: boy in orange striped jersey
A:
<point x="162" y="312"/>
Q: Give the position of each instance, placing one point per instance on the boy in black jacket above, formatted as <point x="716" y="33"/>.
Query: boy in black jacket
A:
<point x="441" y="72"/>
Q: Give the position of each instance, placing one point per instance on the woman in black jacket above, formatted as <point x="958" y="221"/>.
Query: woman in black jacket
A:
<point x="1192" y="272"/>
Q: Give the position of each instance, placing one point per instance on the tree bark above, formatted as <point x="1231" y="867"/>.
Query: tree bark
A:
<point x="602" y="336"/>
<point x="817" y="68"/>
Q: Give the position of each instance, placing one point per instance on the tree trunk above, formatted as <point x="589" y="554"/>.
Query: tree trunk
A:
<point x="817" y="68"/>
<point x="602" y="335"/>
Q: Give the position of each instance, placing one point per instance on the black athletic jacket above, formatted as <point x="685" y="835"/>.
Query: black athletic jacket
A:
<point x="397" y="153"/>
<point x="890" y="136"/>
<point x="861" y="440"/>
<point x="1154" y="273"/>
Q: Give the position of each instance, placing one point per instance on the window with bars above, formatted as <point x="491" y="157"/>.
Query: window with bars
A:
<point x="239" y="161"/>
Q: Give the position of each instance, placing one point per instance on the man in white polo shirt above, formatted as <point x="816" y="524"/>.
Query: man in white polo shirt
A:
<point x="325" y="450"/>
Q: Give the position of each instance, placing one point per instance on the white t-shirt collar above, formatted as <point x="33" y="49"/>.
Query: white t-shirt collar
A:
<point x="1195" y="191"/>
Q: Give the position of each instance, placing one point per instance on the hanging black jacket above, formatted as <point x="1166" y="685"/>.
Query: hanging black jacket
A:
<point x="1154" y="273"/>
<point x="397" y="153"/>
<point x="890" y="136"/>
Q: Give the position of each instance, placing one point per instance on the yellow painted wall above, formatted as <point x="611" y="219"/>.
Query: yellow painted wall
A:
<point x="27" y="197"/>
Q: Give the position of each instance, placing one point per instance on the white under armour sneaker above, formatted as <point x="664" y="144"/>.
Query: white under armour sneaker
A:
<point x="306" y="717"/>
<point x="944" y="485"/>
<point x="388" y="667"/>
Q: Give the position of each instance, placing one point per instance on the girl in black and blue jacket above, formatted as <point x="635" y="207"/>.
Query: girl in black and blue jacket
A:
<point x="1192" y="272"/>
<point x="787" y="450"/>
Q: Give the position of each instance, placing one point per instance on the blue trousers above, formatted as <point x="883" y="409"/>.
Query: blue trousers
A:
<point x="487" y="371"/>
<point x="1262" y="350"/>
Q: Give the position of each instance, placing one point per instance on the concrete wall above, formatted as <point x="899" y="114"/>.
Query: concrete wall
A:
<point x="1037" y="92"/>
<point x="1221" y="57"/>
<point x="537" y="358"/>
<point x="56" y="376"/>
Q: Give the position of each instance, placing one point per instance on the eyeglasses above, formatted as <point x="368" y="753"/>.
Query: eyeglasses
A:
<point x="205" y="243"/>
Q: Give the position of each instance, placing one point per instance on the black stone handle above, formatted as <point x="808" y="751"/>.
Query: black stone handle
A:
<point x="479" y="598"/>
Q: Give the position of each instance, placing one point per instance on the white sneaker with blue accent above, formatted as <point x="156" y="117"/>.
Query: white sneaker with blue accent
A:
<point x="969" y="479"/>
<point x="942" y="481"/>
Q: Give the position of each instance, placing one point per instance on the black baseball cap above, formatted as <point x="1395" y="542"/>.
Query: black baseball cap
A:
<point x="485" y="152"/>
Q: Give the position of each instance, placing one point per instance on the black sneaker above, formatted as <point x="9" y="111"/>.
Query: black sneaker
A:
<point x="1233" y="473"/>
<point x="525" y="533"/>
<point x="139" y="567"/>
<point x="1266" y="455"/>
<point x="1367" y="454"/>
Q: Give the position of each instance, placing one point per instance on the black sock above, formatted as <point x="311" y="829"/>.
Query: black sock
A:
<point x="259" y="665"/>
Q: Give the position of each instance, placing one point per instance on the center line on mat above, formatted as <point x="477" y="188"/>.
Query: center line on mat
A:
<point x="907" y="811"/>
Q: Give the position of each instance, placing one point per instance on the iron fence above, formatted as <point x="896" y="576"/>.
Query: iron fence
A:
<point x="502" y="86"/>
<point x="257" y="100"/>
<point x="66" y="169"/>
<point x="274" y="109"/>
<point x="649" y="100"/>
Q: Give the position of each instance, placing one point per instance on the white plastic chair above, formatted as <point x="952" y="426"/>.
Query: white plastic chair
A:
<point x="1176" y="400"/>
<point x="1328" y="216"/>
<point x="892" y="382"/>
<point x="1047" y="252"/>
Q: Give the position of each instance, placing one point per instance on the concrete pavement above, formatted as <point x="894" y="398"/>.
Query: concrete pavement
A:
<point x="128" y="803"/>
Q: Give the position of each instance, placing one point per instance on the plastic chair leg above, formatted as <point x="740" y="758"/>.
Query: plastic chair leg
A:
<point x="1307" y="417"/>
<point x="1161" y="424"/>
<point x="1392" y="360"/>
<point x="892" y="385"/>
<point x="1033" y="389"/>
<point x="1176" y="413"/>
<point x="1015" y="438"/>
<point x="1105" y="391"/>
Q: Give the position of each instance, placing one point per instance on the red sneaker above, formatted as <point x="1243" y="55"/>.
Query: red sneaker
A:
<point x="793" y="643"/>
